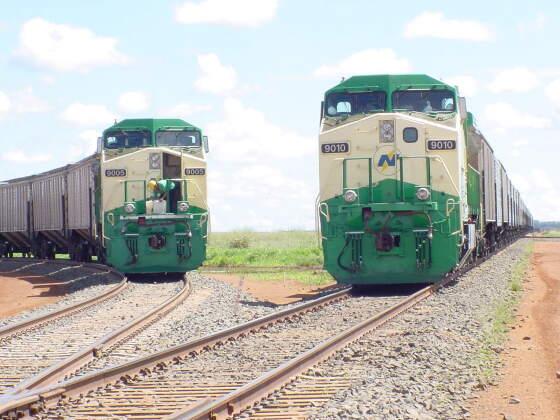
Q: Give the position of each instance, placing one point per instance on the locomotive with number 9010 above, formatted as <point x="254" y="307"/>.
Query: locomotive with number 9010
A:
<point x="138" y="204"/>
<point x="410" y="189"/>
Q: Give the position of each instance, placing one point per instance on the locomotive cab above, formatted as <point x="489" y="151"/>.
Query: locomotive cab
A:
<point x="391" y="162"/>
<point x="154" y="195"/>
<point x="409" y="188"/>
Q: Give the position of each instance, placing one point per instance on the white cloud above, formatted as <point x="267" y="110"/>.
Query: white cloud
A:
<point x="66" y="48"/>
<point x="258" y="161"/>
<point x="86" y="145"/>
<point x="19" y="156"/>
<point x="258" y="180"/>
<point x="216" y="77"/>
<point x="504" y="116"/>
<point x="271" y="189"/>
<point x="47" y="79"/>
<point x="534" y="25"/>
<point x="436" y="25"/>
<point x="517" y="79"/>
<point x="245" y="135"/>
<point x="83" y="114"/>
<point x="370" y="61"/>
<point x="553" y="92"/>
<point x="26" y="101"/>
<point x="540" y="192"/>
<point x="134" y="102"/>
<point x="468" y="85"/>
<point x="5" y="103"/>
<point x="183" y="110"/>
<point x="226" y="12"/>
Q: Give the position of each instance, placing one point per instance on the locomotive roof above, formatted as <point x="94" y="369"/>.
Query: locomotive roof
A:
<point x="152" y="124"/>
<point x="388" y="83"/>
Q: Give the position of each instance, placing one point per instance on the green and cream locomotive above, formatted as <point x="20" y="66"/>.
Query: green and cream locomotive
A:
<point x="409" y="187"/>
<point x="138" y="204"/>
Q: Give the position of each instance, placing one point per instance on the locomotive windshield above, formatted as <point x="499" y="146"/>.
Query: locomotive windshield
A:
<point x="338" y="104"/>
<point x="178" y="138"/>
<point x="126" y="139"/>
<point x="424" y="100"/>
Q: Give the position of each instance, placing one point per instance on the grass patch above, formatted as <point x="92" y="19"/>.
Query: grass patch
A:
<point x="263" y="249"/>
<point x="496" y="329"/>
<point x="307" y="277"/>
<point x="551" y="233"/>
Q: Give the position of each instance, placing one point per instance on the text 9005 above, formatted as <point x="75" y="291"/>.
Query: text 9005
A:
<point x="115" y="172"/>
<point x="195" y="171"/>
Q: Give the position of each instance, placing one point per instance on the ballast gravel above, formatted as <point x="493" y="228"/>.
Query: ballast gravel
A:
<point x="424" y="364"/>
<point x="211" y="306"/>
<point x="82" y="284"/>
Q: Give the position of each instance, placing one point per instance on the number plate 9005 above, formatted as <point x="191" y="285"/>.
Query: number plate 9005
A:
<point x="115" y="172"/>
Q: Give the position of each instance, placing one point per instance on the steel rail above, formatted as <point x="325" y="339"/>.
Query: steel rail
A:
<point x="253" y="392"/>
<point x="60" y="370"/>
<point x="27" y="403"/>
<point x="17" y="328"/>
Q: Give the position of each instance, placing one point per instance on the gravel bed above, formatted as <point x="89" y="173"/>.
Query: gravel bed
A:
<point x="222" y="369"/>
<point x="212" y="306"/>
<point x="82" y="284"/>
<point x="424" y="364"/>
<point x="27" y="354"/>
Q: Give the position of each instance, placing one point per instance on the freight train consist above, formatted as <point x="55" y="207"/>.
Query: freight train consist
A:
<point x="139" y="204"/>
<point x="410" y="189"/>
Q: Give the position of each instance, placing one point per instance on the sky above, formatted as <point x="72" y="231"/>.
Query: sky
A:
<point x="252" y="73"/>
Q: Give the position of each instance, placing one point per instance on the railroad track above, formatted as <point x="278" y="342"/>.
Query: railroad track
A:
<point x="247" y="367"/>
<point x="18" y="328"/>
<point x="292" y="390"/>
<point x="210" y="367"/>
<point x="68" y="342"/>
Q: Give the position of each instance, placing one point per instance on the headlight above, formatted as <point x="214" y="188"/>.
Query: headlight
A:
<point x="422" y="193"/>
<point x="386" y="131"/>
<point x="129" y="208"/>
<point x="350" y="196"/>
<point x="183" y="206"/>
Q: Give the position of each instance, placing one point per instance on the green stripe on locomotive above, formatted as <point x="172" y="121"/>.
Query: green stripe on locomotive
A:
<point x="352" y="243"/>
<point x="183" y="246"/>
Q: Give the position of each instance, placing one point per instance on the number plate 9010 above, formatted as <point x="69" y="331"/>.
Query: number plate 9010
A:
<point x="442" y="144"/>
<point x="341" y="147"/>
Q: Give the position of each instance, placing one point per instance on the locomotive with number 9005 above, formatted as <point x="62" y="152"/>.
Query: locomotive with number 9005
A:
<point x="410" y="188"/>
<point x="139" y="204"/>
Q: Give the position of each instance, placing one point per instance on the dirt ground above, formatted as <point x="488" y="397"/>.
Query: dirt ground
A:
<point x="530" y="386"/>
<point x="277" y="292"/>
<point x="21" y="292"/>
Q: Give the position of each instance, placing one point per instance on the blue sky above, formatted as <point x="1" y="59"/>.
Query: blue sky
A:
<point x="251" y="73"/>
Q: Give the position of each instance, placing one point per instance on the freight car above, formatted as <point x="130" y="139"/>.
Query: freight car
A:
<point x="139" y="204"/>
<point x="410" y="189"/>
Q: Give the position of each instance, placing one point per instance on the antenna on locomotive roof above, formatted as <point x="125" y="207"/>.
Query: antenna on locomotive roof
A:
<point x="342" y="80"/>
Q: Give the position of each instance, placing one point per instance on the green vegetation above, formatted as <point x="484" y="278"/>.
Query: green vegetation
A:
<point x="269" y="256"/>
<point x="264" y="249"/>
<point x="551" y="233"/>
<point x="495" y="330"/>
<point x="307" y="277"/>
